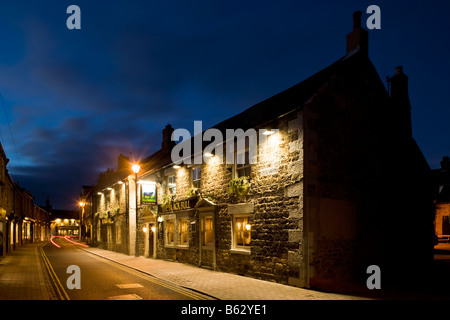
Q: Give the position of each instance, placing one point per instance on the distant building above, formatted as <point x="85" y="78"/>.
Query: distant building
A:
<point x="442" y="180"/>
<point x="333" y="190"/>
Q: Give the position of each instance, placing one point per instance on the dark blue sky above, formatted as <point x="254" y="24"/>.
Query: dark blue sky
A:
<point x="75" y="99"/>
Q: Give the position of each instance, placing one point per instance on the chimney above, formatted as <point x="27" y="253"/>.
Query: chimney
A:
<point x="445" y="163"/>
<point x="400" y="99"/>
<point x="358" y="39"/>
<point x="123" y="163"/>
<point x="167" y="143"/>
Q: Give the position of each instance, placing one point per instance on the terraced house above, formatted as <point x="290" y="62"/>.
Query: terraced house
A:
<point x="319" y="200"/>
<point x="21" y="220"/>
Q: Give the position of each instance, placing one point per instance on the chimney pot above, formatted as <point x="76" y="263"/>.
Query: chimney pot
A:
<point x="357" y="19"/>
<point x="358" y="39"/>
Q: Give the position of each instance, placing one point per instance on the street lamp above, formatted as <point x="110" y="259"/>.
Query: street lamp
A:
<point x="136" y="168"/>
<point x="82" y="204"/>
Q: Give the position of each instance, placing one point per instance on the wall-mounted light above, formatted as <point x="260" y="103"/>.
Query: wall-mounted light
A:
<point x="120" y="182"/>
<point x="209" y="155"/>
<point x="176" y="166"/>
<point x="268" y="132"/>
<point x="145" y="229"/>
<point x="153" y="229"/>
<point x="109" y="189"/>
<point x="99" y="193"/>
<point x="248" y="227"/>
<point x="160" y="219"/>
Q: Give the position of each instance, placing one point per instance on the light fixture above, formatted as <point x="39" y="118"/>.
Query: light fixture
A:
<point x="120" y="182"/>
<point x="136" y="168"/>
<point x="176" y="166"/>
<point x="99" y="193"/>
<point x="160" y="219"/>
<point x="145" y="229"/>
<point x="268" y="132"/>
<point x="248" y="227"/>
<point x="209" y="155"/>
<point x="109" y="189"/>
<point x="82" y="204"/>
<point x="153" y="229"/>
<point x="147" y="182"/>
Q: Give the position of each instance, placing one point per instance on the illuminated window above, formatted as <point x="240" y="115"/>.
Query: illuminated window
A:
<point x="172" y="186"/>
<point x="170" y="232"/>
<point x="207" y="231"/>
<point x="196" y="177"/>
<point x="241" y="232"/>
<point x="183" y="232"/>
<point x="118" y="234"/>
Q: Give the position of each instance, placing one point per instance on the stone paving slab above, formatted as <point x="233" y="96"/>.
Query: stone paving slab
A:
<point x="223" y="286"/>
<point x="21" y="275"/>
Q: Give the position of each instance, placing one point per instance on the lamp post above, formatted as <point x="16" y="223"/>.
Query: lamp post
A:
<point x="136" y="169"/>
<point x="82" y="204"/>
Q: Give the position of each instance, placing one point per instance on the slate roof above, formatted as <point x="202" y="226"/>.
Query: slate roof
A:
<point x="280" y="104"/>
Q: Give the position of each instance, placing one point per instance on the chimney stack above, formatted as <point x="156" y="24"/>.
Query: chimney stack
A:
<point x="167" y="143"/>
<point x="400" y="99"/>
<point x="123" y="163"/>
<point x="358" y="39"/>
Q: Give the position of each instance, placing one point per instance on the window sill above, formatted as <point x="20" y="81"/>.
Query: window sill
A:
<point x="183" y="247"/>
<point x="241" y="251"/>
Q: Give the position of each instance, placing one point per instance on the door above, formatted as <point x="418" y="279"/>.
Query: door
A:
<point x="207" y="241"/>
<point x="151" y="240"/>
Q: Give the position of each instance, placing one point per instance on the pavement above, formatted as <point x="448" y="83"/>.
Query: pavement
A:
<point x="217" y="285"/>
<point x="23" y="277"/>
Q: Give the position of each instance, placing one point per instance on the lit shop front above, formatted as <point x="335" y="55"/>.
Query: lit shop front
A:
<point x="186" y="231"/>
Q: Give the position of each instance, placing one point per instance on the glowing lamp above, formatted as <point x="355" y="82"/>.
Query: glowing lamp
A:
<point x="136" y="168"/>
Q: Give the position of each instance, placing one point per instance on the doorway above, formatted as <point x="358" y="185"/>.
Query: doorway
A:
<point x="207" y="241"/>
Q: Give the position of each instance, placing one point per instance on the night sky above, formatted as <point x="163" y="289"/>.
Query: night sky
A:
<point x="73" y="100"/>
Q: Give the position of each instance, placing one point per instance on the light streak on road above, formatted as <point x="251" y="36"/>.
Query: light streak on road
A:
<point x="51" y="240"/>
<point x="74" y="242"/>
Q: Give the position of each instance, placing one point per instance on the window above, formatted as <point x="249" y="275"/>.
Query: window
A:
<point x="118" y="234"/>
<point x="241" y="232"/>
<point x="196" y="177"/>
<point x="207" y="231"/>
<point x="242" y="159"/>
<point x="243" y="167"/>
<point x="108" y="201"/>
<point x="117" y="203"/>
<point x="171" y="185"/>
<point x="183" y="232"/>
<point x="170" y="228"/>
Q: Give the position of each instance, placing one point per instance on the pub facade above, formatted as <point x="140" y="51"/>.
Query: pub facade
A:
<point x="312" y="205"/>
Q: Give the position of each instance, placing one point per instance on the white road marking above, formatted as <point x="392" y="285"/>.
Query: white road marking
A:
<point x="126" y="297"/>
<point x="129" y="285"/>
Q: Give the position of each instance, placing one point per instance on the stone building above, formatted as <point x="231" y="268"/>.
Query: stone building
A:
<point x="317" y="202"/>
<point x="21" y="220"/>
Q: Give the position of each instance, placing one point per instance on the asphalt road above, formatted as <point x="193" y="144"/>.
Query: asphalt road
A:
<point x="101" y="279"/>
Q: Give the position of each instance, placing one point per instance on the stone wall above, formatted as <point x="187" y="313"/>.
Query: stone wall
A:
<point x="274" y="205"/>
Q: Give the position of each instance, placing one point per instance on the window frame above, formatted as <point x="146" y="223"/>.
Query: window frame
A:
<point x="180" y="233"/>
<point x="169" y="188"/>
<point x="235" y="247"/>
<point x="198" y="181"/>
<point x="167" y="221"/>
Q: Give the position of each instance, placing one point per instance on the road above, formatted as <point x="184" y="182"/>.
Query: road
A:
<point x="100" y="279"/>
